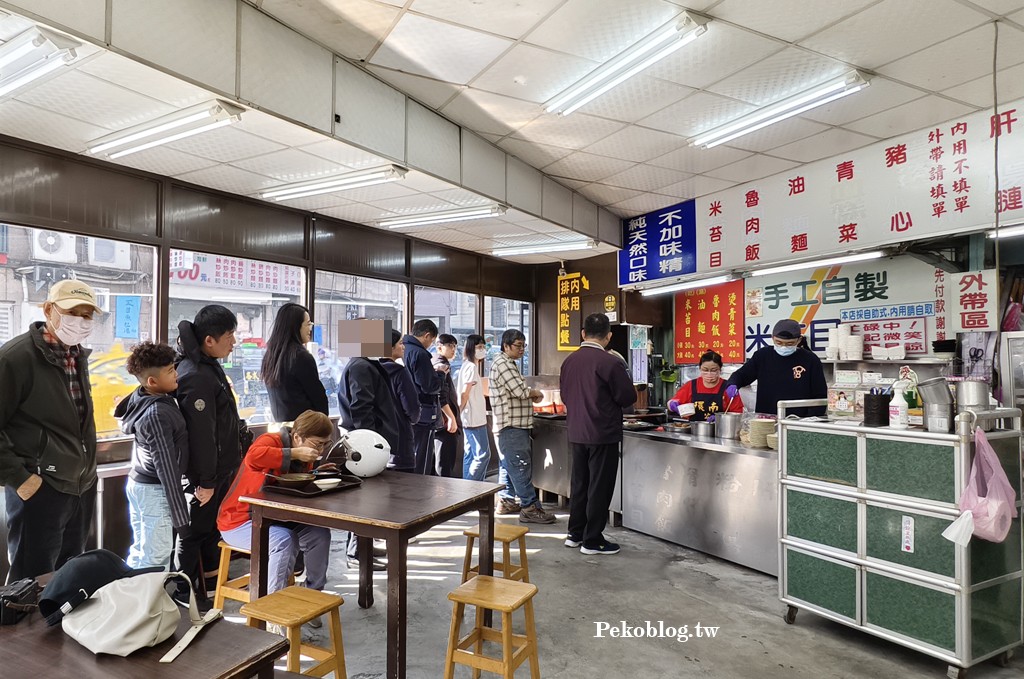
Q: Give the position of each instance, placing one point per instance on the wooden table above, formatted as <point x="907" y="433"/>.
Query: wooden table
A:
<point x="394" y="506"/>
<point x="222" y="650"/>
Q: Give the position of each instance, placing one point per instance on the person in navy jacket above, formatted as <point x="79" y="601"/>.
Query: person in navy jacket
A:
<point x="428" y="388"/>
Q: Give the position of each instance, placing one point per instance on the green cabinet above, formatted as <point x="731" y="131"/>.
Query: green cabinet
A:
<point x="924" y="614"/>
<point x="822" y="519"/>
<point x="826" y="583"/>
<point x="831" y="458"/>
<point x="919" y="470"/>
<point x="910" y="539"/>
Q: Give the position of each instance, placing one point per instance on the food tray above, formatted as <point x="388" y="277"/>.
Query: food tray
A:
<point x="310" y="490"/>
<point x="638" y="426"/>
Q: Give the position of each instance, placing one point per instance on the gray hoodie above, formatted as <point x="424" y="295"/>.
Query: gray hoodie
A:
<point x="160" y="452"/>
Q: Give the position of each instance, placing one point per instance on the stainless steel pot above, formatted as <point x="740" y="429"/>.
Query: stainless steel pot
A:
<point x="973" y="394"/>
<point x="704" y="430"/>
<point x="936" y="391"/>
<point x="728" y="425"/>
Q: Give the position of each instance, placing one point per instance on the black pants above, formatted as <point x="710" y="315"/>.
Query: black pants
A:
<point x="594" y="468"/>
<point x="423" y="446"/>
<point x="46" y="530"/>
<point x="447" y="449"/>
<point x="204" y="536"/>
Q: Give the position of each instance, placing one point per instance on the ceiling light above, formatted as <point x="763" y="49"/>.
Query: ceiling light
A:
<point x="537" y="249"/>
<point x="787" y="108"/>
<point x="1008" y="231"/>
<point x="653" y="48"/>
<point x="687" y="285"/>
<point x="831" y="261"/>
<point x="427" y="218"/>
<point x="341" y="182"/>
<point x="165" y="129"/>
<point x="32" y="54"/>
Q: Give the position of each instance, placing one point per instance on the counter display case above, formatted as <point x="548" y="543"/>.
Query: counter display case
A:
<point x="861" y="515"/>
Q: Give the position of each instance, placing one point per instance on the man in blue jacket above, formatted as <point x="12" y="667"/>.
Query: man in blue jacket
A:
<point x="407" y="405"/>
<point x="428" y="387"/>
<point x="595" y="387"/>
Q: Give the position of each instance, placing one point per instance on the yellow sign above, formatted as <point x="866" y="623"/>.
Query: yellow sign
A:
<point x="570" y="320"/>
<point x="609" y="303"/>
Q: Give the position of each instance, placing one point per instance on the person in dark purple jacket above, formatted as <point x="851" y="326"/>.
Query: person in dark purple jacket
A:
<point x="595" y="387"/>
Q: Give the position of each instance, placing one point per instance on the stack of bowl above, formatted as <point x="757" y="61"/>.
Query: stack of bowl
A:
<point x="773" y="441"/>
<point x="759" y="430"/>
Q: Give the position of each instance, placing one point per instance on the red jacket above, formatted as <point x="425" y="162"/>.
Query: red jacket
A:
<point x="267" y="455"/>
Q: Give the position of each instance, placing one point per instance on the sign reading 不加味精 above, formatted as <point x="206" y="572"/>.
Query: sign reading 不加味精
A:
<point x="659" y="245"/>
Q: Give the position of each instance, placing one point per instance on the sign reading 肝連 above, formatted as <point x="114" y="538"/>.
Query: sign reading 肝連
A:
<point x="659" y="245"/>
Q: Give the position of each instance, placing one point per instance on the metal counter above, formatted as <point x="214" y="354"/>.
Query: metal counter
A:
<point x="552" y="463"/>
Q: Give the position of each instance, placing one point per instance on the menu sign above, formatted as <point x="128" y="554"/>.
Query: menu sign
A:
<point x="710" y="318"/>
<point x="570" y="319"/>
<point x="188" y="268"/>
<point x="973" y="299"/>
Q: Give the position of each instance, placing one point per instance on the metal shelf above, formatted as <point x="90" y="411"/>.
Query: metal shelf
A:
<point x="895" y="361"/>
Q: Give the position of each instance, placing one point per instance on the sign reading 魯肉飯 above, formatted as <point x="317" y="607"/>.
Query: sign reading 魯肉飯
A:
<point x="659" y="245"/>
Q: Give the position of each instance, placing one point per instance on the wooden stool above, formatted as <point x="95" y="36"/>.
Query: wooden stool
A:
<point x="291" y="608"/>
<point x="238" y="588"/>
<point x="506" y="534"/>
<point x="496" y="594"/>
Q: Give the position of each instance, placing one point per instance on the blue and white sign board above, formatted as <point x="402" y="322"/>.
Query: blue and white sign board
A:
<point x="659" y="245"/>
<point x="126" y="317"/>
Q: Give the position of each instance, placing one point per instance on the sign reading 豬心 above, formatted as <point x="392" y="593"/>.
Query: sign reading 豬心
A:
<point x="973" y="300"/>
<point x="659" y="245"/>
<point x="570" y="319"/>
<point x="710" y="318"/>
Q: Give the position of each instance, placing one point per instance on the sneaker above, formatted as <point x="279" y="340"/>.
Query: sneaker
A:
<point x="535" y="514"/>
<point x="380" y="551"/>
<point x="316" y="623"/>
<point x="508" y="507"/>
<point x="182" y="599"/>
<point x="573" y="542"/>
<point x="274" y="628"/>
<point x="377" y="565"/>
<point x="603" y="547"/>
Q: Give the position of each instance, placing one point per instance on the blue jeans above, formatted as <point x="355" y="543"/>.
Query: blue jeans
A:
<point x="516" y="452"/>
<point x="285" y="542"/>
<point x="152" y="532"/>
<point x="477" y="455"/>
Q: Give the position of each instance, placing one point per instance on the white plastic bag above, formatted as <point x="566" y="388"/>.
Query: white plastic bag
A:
<point x="989" y="497"/>
<point x="961" y="530"/>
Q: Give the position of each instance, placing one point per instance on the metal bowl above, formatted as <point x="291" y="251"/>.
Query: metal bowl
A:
<point x="703" y="429"/>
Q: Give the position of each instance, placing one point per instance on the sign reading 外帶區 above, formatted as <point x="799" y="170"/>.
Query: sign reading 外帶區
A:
<point x="659" y="245"/>
<point x="974" y="300"/>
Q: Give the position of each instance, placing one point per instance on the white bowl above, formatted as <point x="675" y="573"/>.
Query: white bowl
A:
<point x="326" y="484"/>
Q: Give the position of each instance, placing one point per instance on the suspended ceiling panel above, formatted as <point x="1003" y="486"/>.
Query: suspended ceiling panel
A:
<point x="556" y="203"/>
<point x="372" y="114"/>
<point x="433" y="143"/>
<point x="87" y="16"/>
<point x="483" y="167"/>
<point x="524" y="185"/>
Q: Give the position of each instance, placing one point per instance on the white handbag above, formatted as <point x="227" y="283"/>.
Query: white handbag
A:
<point x="129" y="614"/>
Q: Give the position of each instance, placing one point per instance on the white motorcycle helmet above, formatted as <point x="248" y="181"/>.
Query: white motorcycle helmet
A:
<point x="368" y="452"/>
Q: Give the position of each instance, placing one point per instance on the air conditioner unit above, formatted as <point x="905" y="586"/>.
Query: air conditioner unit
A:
<point x="54" y="246"/>
<point x="103" y="299"/>
<point x="110" y="254"/>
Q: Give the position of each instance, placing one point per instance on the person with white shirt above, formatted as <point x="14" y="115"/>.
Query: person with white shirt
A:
<point x="474" y="410"/>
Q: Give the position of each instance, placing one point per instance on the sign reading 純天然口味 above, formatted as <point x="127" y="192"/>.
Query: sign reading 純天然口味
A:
<point x="571" y="287"/>
<point x="659" y="245"/>
<point x="709" y="318"/>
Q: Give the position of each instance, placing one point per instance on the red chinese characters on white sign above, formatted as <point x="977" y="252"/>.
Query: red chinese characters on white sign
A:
<point x="910" y="332"/>
<point x="972" y="299"/>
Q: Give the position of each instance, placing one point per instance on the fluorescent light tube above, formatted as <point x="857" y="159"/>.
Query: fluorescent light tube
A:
<point x="651" y="49"/>
<point x="165" y="129"/>
<point x="537" y="249"/>
<point x="342" y="182"/>
<point x="787" y="108"/>
<point x="32" y="54"/>
<point x="1010" y="231"/>
<point x="428" y="218"/>
<point x="813" y="264"/>
<point x="686" y="285"/>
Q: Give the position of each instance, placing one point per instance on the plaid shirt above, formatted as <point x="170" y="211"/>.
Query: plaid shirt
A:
<point x="510" y="397"/>
<point x="68" y="357"/>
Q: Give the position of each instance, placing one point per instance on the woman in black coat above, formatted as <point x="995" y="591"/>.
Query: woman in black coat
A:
<point x="289" y="371"/>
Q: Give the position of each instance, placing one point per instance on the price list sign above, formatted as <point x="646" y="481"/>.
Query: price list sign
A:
<point x="710" y="318"/>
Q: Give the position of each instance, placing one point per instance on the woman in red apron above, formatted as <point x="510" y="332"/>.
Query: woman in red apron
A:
<point x="708" y="394"/>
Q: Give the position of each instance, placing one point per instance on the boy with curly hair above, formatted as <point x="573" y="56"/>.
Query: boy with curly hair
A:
<point x="156" y="499"/>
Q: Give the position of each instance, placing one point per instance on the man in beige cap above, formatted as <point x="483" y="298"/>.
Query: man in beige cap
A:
<point x="47" y="434"/>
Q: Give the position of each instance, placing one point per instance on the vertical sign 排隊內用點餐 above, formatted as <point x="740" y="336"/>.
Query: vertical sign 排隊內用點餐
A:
<point x="571" y="287"/>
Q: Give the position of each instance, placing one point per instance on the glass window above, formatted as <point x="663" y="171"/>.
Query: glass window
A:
<point x="501" y="314"/>
<point x="341" y="297"/>
<point x="122" y="275"/>
<point x="454" y="313"/>
<point x="254" y="290"/>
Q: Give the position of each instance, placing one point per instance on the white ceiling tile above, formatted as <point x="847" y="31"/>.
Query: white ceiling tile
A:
<point x="486" y="112"/>
<point x="358" y="213"/>
<point x="344" y="154"/>
<point x="721" y="51"/>
<point x="586" y="167"/>
<point x="230" y="179"/>
<point x="781" y="75"/>
<point x="780" y="133"/>
<point x="600" y="29"/>
<point x="697" y="160"/>
<point x="144" y="80"/>
<point x="912" y="116"/>
<point x="315" y="203"/>
<point x="351" y="28"/>
<point x="880" y="33"/>
<point x="1001" y="7"/>
<point x="694" y="187"/>
<point x="788" y="20"/>
<point x="532" y="259"/>
<point x="439" y="50"/>
<point x="225" y="144"/>
<point x="533" y="74"/>
<point x="462" y="197"/>
<point x="648" y="202"/>
<point x="696" y="113"/>
<point x="637" y="144"/>
<point x="533" y="153"/>
<point x="515" y="216"/>
<point x="437" y="234"/>
<point x="291" y="165"/>
<point x="602" y="194"/>
<point x="415" y="204"/>
<point x="575" y="131"/>
<point x="45" y="127"/>
<point x="636" y="98"/>
<point x="379" y="193"/>
<point x="275" y="129"/>
<point x="979" y="92"/>
<point x="542" y="226"/>
<point x="421" y="181"/>
<point x="880" y="95"/>
<point x="645" y="178"/>
<point x="828" y="143"/>
<point x="511" y="19"/>
<point x="497" y="229"/>
<point x="493" y="138"/>
<point x="164" y="161"/>
<point x="957" y="60"/>
<point x="751" y="168"/>
<point x="574" y="184"/>
<point x="433" y="93"/>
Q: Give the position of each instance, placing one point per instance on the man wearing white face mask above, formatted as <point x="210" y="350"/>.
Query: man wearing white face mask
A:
<point x="47" y="434"/>
<point x="783" y="372"/>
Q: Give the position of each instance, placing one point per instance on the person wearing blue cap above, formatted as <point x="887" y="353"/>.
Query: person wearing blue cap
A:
<point x="784" y="371"/>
